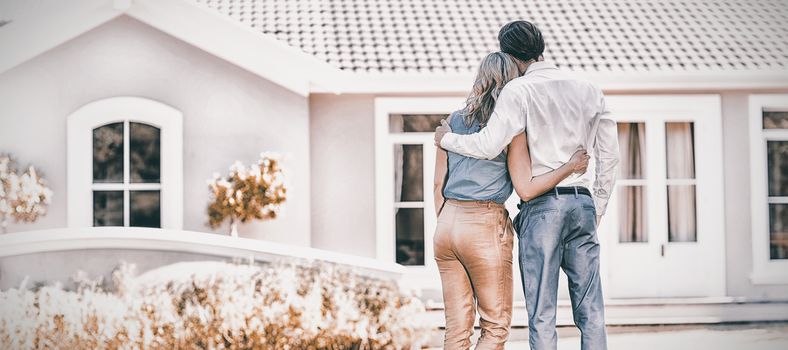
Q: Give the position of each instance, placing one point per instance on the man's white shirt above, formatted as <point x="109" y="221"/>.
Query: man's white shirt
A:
<point x="557" y="112"/>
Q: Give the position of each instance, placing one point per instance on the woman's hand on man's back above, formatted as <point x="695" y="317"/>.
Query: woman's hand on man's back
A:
<point x="579" y="161"/>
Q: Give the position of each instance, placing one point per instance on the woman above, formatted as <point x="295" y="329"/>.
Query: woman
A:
<point x="473" y="240"/>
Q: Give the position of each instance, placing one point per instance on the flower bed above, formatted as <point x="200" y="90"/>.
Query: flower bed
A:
<point x="211" y="305"/>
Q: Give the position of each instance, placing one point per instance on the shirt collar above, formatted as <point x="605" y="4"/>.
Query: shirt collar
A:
<point x="539" y="65"/>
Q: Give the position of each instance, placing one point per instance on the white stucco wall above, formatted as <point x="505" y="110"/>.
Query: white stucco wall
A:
<point x="48" y="268"/>
<point x="343" y="173"/>
<point x="228" y="114"/>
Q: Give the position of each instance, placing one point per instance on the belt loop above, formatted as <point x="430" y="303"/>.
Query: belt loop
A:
<point x="575" y="192"/>
<point x="555" y="192"/>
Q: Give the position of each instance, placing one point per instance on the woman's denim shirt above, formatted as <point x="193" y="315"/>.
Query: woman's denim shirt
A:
<point x="475" y="179"/>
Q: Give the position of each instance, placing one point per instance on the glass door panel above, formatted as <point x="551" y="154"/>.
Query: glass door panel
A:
<point x="632" y="199"/>
<point x="680" y="165"/>
<point x="409" y="204"/>
<point x="777" y="173"/>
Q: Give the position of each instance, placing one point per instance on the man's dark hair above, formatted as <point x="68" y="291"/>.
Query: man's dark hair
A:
<point x="521" y="39"/>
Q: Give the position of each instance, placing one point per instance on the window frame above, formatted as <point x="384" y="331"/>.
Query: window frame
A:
<point x="125" y="109"/>
<point x="385" y="236"/>
<point x="764" y="269"/>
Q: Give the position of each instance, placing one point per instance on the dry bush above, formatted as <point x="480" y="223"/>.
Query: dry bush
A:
<point x="217" y="306"/>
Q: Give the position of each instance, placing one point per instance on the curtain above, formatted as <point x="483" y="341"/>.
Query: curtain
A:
<point x="632" y="213"/>
<point x="398" y="173"/>
<point x="632" y="201"/>
<point x="680" y="150"/>
<point x="681" y="213"/>
<point x="632" y="148"/>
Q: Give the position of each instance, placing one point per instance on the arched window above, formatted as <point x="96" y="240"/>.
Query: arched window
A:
<point x="125" y="164"/>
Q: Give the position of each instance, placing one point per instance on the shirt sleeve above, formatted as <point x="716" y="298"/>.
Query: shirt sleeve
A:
<point x="606" y="156"/>
<point x="506" y="122"/>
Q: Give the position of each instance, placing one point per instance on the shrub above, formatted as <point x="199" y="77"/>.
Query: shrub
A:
<point x="247" y="193"/>
<point x="24" y="196"/>
<point x="217" y="306"/>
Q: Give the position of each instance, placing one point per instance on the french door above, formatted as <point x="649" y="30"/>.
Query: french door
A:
<point x="405" y="165"/>
<point x="663" y="234"/>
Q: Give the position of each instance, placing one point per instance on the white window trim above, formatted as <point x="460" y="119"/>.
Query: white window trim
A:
<point x="80" y="125"/>
<point x="384" y="169"/>
<point x="765" y="270"/>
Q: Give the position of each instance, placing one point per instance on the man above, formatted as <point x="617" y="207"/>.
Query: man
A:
<point x="557" y="229"/>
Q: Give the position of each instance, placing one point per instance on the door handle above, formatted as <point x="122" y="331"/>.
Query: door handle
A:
<point x="662" y="250"/>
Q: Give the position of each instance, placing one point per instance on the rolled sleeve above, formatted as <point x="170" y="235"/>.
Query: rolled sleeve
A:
<point x="607" y="158"/>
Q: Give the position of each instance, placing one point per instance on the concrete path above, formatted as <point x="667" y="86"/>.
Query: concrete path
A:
<point x="767" y="336"/>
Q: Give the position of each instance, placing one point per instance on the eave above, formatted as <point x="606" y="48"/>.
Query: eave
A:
<point x="631" y="81"/>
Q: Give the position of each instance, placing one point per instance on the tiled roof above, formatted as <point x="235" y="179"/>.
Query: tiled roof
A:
<point x="588" y="35"/>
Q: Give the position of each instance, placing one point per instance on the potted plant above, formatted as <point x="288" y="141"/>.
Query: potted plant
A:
<point x="23" y="197"/>
<point x="254" y="192"/>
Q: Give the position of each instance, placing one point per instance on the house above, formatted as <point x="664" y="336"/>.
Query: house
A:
<point x="350" y="93"/>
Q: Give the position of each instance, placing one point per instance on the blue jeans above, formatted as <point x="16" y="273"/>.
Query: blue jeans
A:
<point x="559" y="231"/>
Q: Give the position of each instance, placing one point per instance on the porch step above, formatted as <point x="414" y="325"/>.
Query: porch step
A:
<point x="656" y="311"/>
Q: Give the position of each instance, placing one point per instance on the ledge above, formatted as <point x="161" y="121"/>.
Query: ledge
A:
<point x="139" y="238"/>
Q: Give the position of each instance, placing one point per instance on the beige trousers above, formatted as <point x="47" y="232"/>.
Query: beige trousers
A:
<point x="473" y="249"/>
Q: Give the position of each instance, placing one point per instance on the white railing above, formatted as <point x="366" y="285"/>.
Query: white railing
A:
<point x="154" y="239"/>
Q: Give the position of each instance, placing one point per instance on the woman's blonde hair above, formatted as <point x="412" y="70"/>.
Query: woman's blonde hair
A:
<point x="497" y="69"/>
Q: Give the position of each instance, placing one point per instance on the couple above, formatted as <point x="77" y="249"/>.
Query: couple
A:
<point x="526" y="125"/>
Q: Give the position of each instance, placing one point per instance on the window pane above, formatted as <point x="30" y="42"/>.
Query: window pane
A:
<point x="410" y="236"/>
<point x="681" y="214"/>
<point x="632" y="146"/>
<point x="775" y="120"/>
<point x="145" y="208"/>
<point x="778" y="231"/>
<point x="144" y="153"/>
<point x="679" y="141"/>
<point x="415" y="122"/>
<point x="777" y="154"/>
<point x="107" y="208"/>
<point x="632" y="214"/>
<point x="408" y="173"/>
<point x="108" y="153"/>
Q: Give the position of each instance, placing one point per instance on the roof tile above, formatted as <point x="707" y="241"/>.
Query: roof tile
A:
<point x="595" y="35"/>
